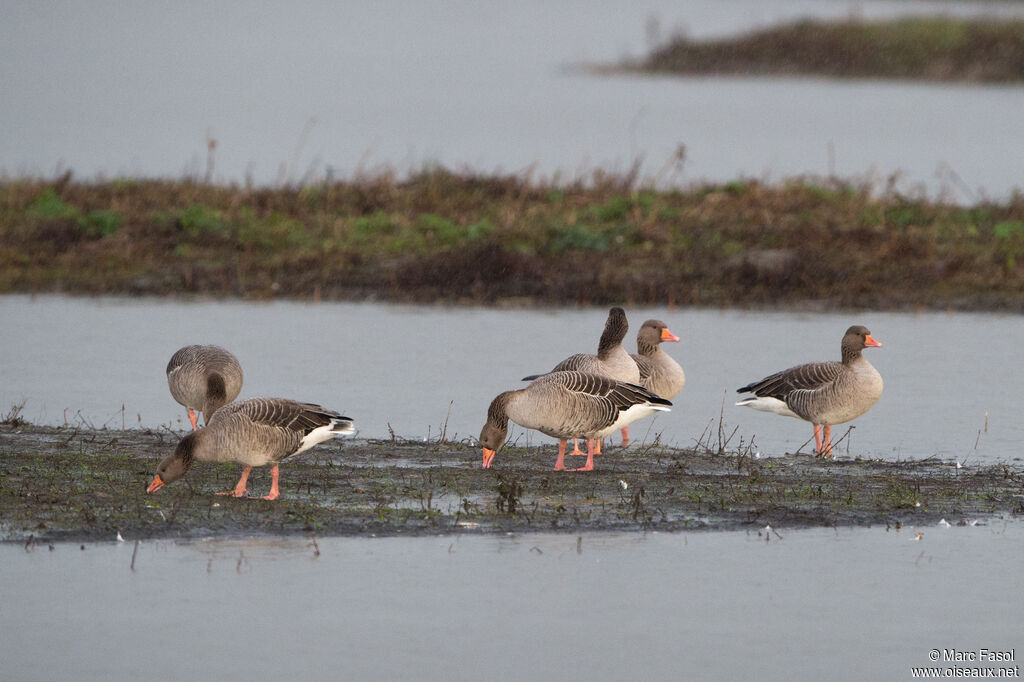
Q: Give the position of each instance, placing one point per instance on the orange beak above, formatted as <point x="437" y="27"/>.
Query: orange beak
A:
<point x="868" y="341"/>
<point x="488" y="458"/>
<point x="155" y="485"/>
<point x="666" y="335"/>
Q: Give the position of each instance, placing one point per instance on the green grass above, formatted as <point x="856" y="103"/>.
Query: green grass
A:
<point x="442" y="236"/>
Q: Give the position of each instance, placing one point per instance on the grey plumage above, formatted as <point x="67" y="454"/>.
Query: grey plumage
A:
<point x="659" y="372"/>
<point x="823" y="393"/>
<point x="611" y="359"/>
<point x="202" y="378"/>
<point x="254" y="432"/>
<point x="568" y="405"/>
<point x="263" y="431"/>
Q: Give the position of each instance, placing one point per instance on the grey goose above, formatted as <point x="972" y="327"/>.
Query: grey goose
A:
<point x="567" y="405"/>
<point x="823" y="393"/>
<point x="253" y="432"/>
<point x="659" y="372"/>
<point x="611" y="359"/>
<point x="202" y="378"/>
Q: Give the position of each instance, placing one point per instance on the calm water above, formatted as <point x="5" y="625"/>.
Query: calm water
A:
<point x="952" y="381"/>
<point x="852" y="604"/>
<point x="293" y="92"/>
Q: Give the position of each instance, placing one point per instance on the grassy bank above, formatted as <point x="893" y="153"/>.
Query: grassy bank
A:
<point x="85" y="484"/>
<point x="441" y="236"/>
<point x="932" y="48"/>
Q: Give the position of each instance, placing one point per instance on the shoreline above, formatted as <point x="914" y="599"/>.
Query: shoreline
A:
<point x="76" y="484"/>
<point x="939" y="48"/>
<point x="446" y="238"/>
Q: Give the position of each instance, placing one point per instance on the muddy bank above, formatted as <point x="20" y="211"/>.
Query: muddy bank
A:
<point x="74" y="484"/>
<point x="921" y="48"/>
<point x="489" y="239"/>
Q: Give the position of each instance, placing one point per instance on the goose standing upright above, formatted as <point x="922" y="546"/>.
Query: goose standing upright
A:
<point x="567" y="405"/>
<point x="823" y="393"/>
<point x="253" y="432"/>
<point x="202" y="378"/>
<point x="659" y="372"/>
<point x="611" y="360"/>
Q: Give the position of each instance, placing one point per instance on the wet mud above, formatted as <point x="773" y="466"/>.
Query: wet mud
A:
<point x="83" y="484"/>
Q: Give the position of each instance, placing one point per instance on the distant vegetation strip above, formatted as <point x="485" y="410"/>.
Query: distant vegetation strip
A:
<point x="932" y="48"/>
<point x="441" y="236"/>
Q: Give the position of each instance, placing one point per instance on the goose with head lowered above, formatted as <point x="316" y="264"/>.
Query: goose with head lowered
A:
<point x="567" y="405"/>
<point x="823" y="393"/>
<point x="202" y="378"/>
<point x="253" y="432"/>
<point x="611" y="360"/>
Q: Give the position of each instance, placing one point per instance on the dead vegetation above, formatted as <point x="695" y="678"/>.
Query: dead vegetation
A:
<point x="441" y="236"/>
<point x="83" y="484"/>
<point x="931" y="48"/>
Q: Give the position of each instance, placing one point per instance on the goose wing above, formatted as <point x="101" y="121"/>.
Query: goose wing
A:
<point x="806" y="377"/>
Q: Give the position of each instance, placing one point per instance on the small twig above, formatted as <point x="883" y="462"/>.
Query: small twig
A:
<point x="444" y="427"/>
<point x="805" y="443"/>
<point x="721" y="419"/>
<point x="849" y="430"/>
<point x="134" y="552"/>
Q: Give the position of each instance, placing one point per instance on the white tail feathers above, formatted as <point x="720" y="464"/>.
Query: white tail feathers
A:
<point x="342" y="426"/>
<point x="765" y="404"/>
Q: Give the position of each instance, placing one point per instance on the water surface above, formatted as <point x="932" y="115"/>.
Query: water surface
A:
<point x="952" y="381"/>
<point x="300" y="92"/>
<point x="813" y="604"/>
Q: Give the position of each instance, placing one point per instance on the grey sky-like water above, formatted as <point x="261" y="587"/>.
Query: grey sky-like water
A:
<point x="299" y="92"/>
<point x="846" y="604"/>
<point x="951" y="380"/>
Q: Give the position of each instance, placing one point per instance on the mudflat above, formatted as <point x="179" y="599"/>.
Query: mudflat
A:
<point x="87" y="484"/>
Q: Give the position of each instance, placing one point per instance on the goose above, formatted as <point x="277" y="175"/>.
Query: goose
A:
<point x="202" y="378"/>
<point x="823" y="393"/>
<point x="567" y="405"/>
<point x="611" y="360"/>
<point x="659" y="372"/>
<point x="253" y="432"/>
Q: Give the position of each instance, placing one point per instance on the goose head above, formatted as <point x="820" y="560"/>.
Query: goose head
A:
<point x="176" y="465"/>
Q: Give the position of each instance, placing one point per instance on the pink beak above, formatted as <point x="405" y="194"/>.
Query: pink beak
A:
<point x="488" y="458"/>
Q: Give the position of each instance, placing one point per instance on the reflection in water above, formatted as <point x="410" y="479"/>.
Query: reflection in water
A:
<point x="869" y="603"/>
<point x="422" y="371"/>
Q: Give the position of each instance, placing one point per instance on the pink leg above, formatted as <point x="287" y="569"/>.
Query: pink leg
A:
<point x="589" y="466"/>
<point x="575" y="447"/>
<point x="625" y="435"/>
<point x="597" y="451"/>
<point x="192" y="418"/>
<point x="560" y="462"/>
<point x="827" y="451"/>
<point x="817" y="439"/>
<point x="274" y="492"/>
<point x="240" y="489"/>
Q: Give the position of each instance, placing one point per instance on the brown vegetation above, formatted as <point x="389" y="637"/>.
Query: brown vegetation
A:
<point x="441" y="236"/>
<point x="932" y="48"/>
